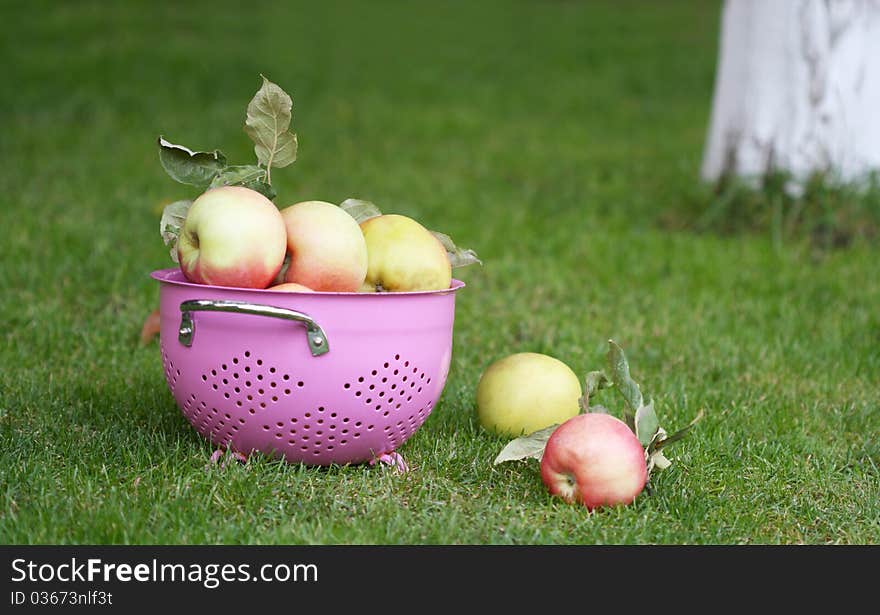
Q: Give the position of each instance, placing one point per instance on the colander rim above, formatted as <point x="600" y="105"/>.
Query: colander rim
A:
<point x="174" y="276"/>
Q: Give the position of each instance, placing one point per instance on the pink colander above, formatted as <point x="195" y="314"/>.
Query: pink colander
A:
<point x="316" y="378"/>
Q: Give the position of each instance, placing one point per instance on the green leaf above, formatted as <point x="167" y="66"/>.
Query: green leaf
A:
<point x="267" y="124"/>
<point x="173" y="216"/>
<point x="530" y="446"/>
<point x="619" y="368"/>
<point x="189" y="167"/>
<point x="678" y="435"/>
<point x="458" y="257"/>
<point x="263" y="188"/>
<point x="657" y="459"/>
<point x="360" y="210"/>
<point x="250" y="176"/>
<point x="593" y="381"/>
<point x="239" y="175"/>
<point x="646" y="423"/>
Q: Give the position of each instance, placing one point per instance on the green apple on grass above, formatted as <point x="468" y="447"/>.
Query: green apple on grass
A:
<point x="524" y="392"/>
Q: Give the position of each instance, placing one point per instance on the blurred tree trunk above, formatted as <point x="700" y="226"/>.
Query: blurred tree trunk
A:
<point x="797" y="90"/>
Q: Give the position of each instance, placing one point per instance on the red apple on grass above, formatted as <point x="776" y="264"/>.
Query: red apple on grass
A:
<point x="594" y="459"/>
<point x="232" y="236"/>
<point x="326" y="246"/>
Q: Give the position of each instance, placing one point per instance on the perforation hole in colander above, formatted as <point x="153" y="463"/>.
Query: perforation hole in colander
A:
<point x="394" y="392"/>
<point x="235" y="391"/>
<point x="390" y="402"/>
<point x="171" y="373"/>
<point x="390" y="388"/>
<point x="316" y="432"/>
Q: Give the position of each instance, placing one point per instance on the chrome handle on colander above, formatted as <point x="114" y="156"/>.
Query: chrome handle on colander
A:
<point x="314" y="334"/>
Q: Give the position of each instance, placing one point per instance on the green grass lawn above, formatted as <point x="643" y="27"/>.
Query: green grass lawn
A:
<point x="552" y="138"/>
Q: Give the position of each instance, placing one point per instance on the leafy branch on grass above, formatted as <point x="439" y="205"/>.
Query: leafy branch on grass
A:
<point x="639" y="416"/>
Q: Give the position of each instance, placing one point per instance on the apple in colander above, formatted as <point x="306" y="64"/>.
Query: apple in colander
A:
<point x="403" y="256"/>
<point x="326" y="246"/>
<point x="232" y="236"/>
<point x="291" y="287"/>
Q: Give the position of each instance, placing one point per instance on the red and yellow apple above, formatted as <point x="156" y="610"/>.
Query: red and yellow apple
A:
<point x="232" y="236"/>
<point x="403" y="256"/>
<point x="527" y="391"/>
<point x="596" y="460"/>
<point x="291" y="287"/>
<point x="326" y="246"/>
